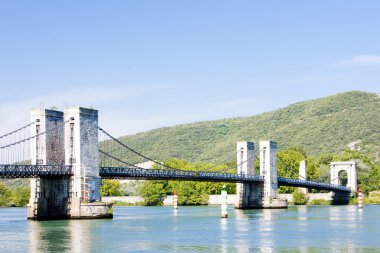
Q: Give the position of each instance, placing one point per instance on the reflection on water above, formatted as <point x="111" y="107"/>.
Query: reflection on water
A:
<point x="80" y="235"/>
<point x="59" y="236"/>
<point x="265" y="230"/>
<point x="198" y="229"/>
<point x="242" y="229"/>
<point x="48" y="236"/>
<point x="175" y="212"/>
<point x="224" y="235"/>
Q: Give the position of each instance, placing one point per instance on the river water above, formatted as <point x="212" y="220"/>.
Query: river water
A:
<point x="199" y="229"/>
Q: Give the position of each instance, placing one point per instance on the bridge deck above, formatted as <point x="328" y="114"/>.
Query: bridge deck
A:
<point x="151" y="174"/>
<point x="148" y="174"/>
<point x="32" y="171"/>
<point x="311" y="184"/>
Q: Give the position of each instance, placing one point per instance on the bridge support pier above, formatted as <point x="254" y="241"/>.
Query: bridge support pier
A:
<point x="248" y="194"/>
<point x="48" y="196"/>
<point x="341" y="198"/>
<point x="72" y="139"/>
<point x="268" y="169"/>
<point x="82" y="152"/>
<point x="258" y="195"/>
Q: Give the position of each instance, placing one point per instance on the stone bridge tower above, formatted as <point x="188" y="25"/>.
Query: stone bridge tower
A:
<point x="259" y="194"/>
<point x="49" y="197"/>
<point x="69" y="138"/>
<point x="248" y="195"/>
<point x="341" y="198"/>
<point x="82" y="152"/>
<point x="350" y="168"/>
<point x="268" y="169"/>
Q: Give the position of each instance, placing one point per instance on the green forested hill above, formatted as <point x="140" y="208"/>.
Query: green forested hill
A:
<point x="325" y="125"/>
<point x="320" y="126"/>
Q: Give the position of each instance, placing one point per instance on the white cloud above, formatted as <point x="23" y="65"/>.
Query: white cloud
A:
<point x="16" y="114"/>
<point x="360" y="60"/>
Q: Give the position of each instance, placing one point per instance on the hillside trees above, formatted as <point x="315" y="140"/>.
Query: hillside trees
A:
<point x="110" y="188"/>
<point x="318" y="169"/>
<point x="5" y="194"/>
<point x="299" y="198"/>
<point x="320" y="126"/>
<point x="154" y="192"/>
<point x="368" y="171"/>
<point x="18" y="196"/>
<point x="288" y="162"/>
<point x="189" y="193"/>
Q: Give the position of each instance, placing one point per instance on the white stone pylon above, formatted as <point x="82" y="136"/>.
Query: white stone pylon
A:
<point x="246" y="166"/>
<point x="302" y="175"/>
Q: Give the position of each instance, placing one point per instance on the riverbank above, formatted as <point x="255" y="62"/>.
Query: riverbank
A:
<point x="313" y="199"/>
<point x="213" y="199"/>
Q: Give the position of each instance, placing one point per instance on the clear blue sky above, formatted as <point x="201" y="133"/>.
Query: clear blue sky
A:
<point x="148" y="64"/>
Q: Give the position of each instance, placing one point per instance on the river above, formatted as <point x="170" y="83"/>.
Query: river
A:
<point x="199" y="229"/>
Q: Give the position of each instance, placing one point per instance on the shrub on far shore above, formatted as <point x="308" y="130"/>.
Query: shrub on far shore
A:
<point x="319" y="202"/>
<point x="299" y="198"/>
<point x="122" y="203"/>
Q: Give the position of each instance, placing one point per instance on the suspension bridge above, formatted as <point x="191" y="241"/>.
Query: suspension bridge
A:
<point x="67" y="154"/>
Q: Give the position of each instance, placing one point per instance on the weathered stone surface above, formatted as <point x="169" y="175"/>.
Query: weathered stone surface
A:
<point x="268" y="169"/>
<point x="49" y="196"/>
<point x="82" y="152"/>
<point x="248" y="195"/>
<point x="72" y="139"/>
<point x="94" y="210"/>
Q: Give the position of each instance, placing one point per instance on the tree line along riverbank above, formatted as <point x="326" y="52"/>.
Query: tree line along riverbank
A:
<point x="12" y="193"/>
<point x="197" y="193"/>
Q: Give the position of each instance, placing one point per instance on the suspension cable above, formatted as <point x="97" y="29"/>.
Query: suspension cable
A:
<point x="135" y="166"/>
<point x="34" y="136"/>
<point x="287" y="166"/>
<point x="230" y="168"/>
<point x="220" y="163"/>
<point x="15" y="131"/>
<point x="235" y="167"/>
<point x="136" y="152"/>
<point x="316" y="180"/>
<point x="156" y="162"/>
<point x="119" y="160"/>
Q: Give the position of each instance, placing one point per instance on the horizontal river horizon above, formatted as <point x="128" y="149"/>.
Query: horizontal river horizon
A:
<point x="199" y="229"/>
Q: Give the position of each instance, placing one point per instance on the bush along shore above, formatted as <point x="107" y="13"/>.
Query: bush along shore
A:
<point x="14" y="197"/>
<point x="197" y="193"/>
<point x="318" y="169"/>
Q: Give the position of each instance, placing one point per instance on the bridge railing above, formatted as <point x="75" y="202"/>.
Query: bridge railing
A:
<point x="311" y="184"/>
<point x="30" y="171"/>
<point x="154" y="174"/>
